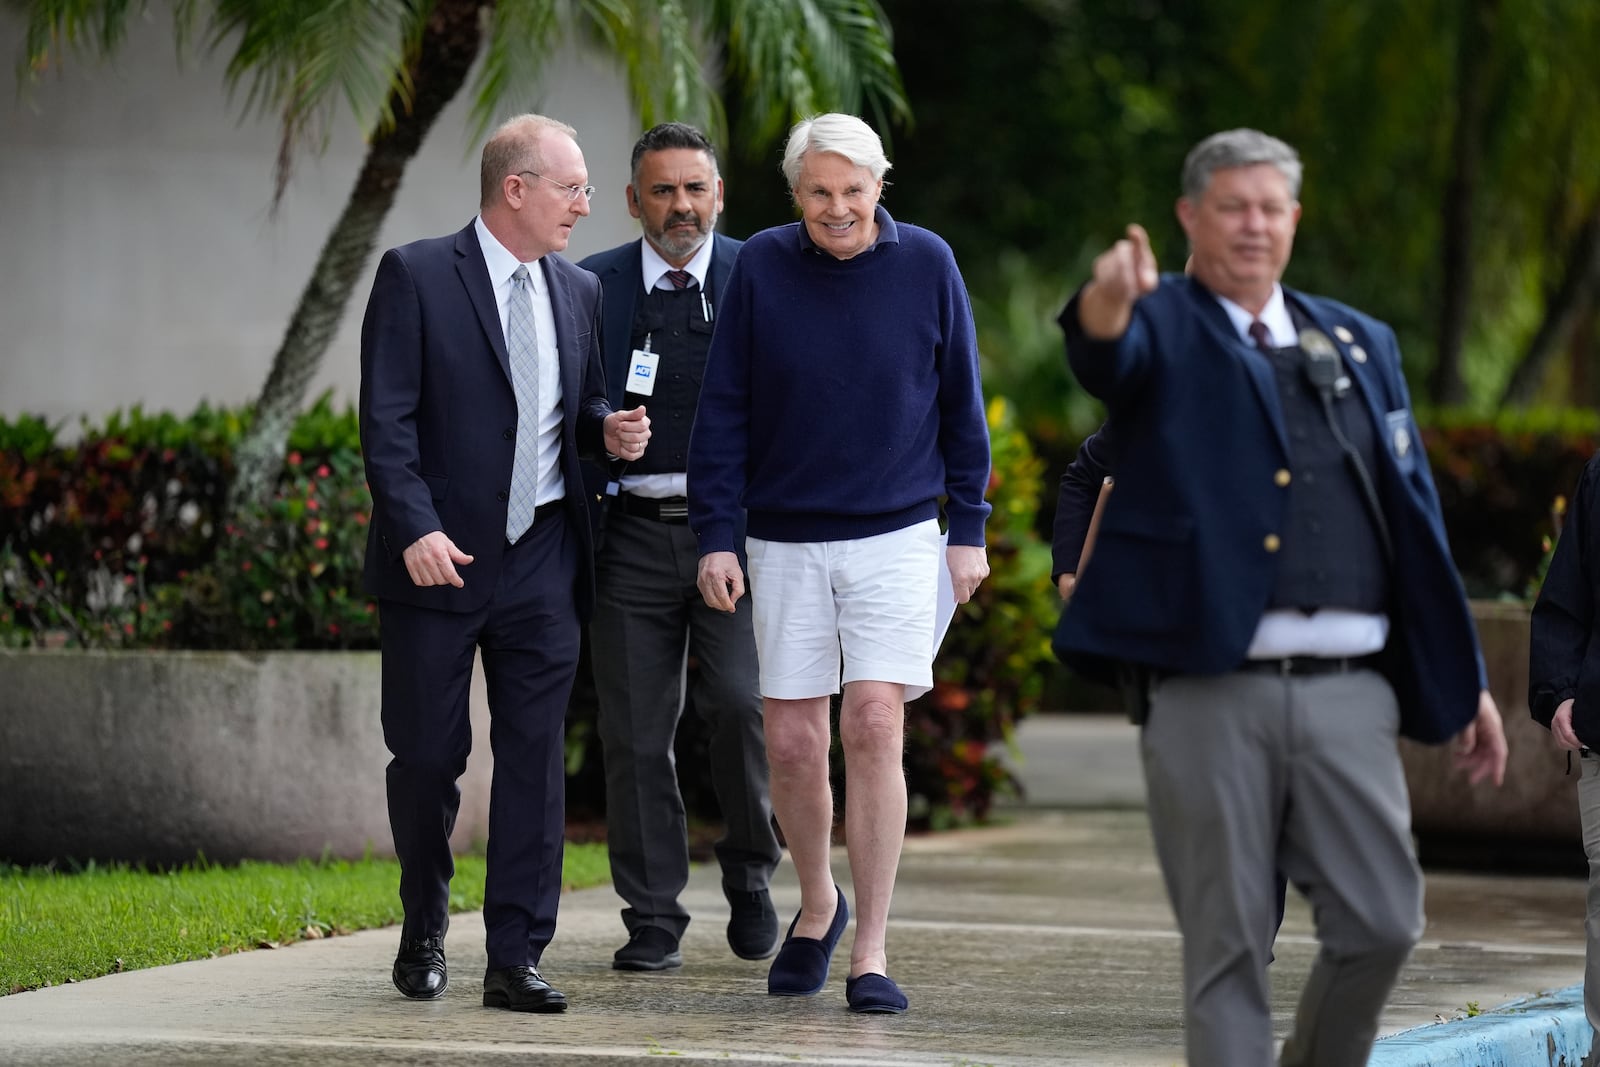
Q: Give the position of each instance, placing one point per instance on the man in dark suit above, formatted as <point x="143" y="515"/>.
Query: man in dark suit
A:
<point x="1273" y="566"/>
<point x="661" y="293"/>
<point x="481" y="382"/>
<point x="1564" y="688"/>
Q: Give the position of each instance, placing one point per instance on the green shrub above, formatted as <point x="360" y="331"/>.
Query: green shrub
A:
<point x="1498" y="482"/>
<point x="117" y="541"/>
<point x="289" y="576"/>
<point x="991" y="669"/>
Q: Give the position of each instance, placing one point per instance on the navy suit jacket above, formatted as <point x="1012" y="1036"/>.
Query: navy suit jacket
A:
<point x="439" y="416"/>
<point x="620" y="272"/>
<point x="1564" y="650"/>
<point x="1183" y="566"/>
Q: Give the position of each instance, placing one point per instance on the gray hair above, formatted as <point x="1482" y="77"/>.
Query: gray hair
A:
<point x="1238" y="148"/>
<point x="843" y="135"/>
<point x="514" y="147"/>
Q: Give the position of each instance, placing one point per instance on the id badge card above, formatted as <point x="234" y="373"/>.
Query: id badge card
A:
<point x="642" y="372"/>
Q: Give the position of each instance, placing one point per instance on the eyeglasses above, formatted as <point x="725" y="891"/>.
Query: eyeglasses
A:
<point x="572" y="191"/>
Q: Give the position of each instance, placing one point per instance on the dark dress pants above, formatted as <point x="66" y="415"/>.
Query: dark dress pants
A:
<point x="649" y="616"/>
<point x="528" y="633"/>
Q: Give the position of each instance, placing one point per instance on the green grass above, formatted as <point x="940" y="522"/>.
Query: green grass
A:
<point x="58" y="926"/>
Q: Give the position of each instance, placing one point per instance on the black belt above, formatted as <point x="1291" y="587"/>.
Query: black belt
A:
<point x="1304" y="665"/>
<point x="548" y="510"/>
<point x="673" y="509"/>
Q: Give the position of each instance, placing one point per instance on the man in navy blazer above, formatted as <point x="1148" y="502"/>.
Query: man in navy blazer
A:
<point x="1272" y="571"/>
<point x="661" y="295"/>
<point x="481" y="383"/>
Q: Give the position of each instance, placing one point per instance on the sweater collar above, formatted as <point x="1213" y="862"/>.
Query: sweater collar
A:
<point x="887" y="234"/>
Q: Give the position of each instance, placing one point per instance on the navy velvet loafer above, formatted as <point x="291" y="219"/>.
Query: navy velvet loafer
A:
<point x="874" y="994"/>
<point x="801" y="966"/>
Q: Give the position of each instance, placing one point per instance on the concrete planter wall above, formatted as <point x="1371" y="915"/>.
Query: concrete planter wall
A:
<point x="159" y="756"/>
<point x="1539" y="801"/>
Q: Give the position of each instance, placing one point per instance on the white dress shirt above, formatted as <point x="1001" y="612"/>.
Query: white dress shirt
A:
<point x="655" y="268"/>
<point x="547" y="420"/>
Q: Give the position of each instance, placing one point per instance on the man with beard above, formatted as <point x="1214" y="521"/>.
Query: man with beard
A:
<point x="660" y="300"/>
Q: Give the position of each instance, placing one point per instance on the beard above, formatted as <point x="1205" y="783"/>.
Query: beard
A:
<point x="678" y="244"/>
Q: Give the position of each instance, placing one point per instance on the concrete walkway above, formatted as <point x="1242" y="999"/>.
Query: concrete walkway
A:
<point x="1043" y="940"/>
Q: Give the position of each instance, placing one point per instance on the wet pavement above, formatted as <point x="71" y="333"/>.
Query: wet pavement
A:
<point x="1045" y="939"/>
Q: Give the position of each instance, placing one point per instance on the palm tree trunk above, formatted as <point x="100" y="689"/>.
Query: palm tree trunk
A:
<point x="446" y="51"/>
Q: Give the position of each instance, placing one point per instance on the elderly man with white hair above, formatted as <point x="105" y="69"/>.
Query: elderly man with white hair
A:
<point x="841" y="407"/>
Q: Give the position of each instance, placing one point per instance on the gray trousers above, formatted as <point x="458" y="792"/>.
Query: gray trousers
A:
<point x="1250" y="774"/>
<point x="1589" y="813"/>
<point x="648" y="618"/>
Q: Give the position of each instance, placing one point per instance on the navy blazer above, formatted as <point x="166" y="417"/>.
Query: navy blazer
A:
<point x="439" y="416"/>
<point x="1184" y="566"/>
<point x="620" y="271"/>
<point x="1564" y="647"/>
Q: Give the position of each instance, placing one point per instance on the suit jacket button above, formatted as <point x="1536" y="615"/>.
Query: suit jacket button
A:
<point x="502" y="495"/>
<point x="1281" y="478"/>
<point x="508" y="434"/>
<point x="1270" y="542"/>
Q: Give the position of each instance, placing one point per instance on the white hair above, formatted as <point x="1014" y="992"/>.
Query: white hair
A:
<point x="843" y="135"/>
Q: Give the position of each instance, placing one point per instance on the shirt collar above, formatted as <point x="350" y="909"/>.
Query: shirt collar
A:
<point x="1275" y="315"/>
<point x="887" y="234"/>
<point x="653" y="266"/>
<point x="500" y="261"/>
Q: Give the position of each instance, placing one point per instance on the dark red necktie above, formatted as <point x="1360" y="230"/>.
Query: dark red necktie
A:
<point x="1261" y="335"/>
<point x="681" y="279"/>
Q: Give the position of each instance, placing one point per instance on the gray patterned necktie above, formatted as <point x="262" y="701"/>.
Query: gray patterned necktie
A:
<point x="523" y="347"/>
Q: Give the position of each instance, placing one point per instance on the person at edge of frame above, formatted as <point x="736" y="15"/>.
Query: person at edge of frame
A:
<point x="1564" y="688"/>
<point x="1286" y="596"/>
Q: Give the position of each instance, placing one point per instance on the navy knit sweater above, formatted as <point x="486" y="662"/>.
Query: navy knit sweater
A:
<point x="841" y="396"/>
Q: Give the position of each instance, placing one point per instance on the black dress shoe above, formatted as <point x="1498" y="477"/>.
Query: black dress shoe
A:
<point x="752" y="924"/>
<point x="521" y="989"/>
<point x="649" y="948"/>
<point x="419" y="970"/>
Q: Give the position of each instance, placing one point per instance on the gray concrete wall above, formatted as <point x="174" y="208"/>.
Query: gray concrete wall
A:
<point x="1539" y="800"/>
<point x="160" y="756"/>
<point x="140" y="262"/>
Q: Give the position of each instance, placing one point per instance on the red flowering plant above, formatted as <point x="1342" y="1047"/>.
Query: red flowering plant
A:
<point x="117" y="540"/>
<point x="91" y="530"/>
<point x="288" y="576"/>
<point x="40" y="605"/>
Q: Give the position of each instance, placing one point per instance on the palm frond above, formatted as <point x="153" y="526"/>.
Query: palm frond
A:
<point x="793" y="58"/>
<point x="662" y="47"/>
<point x="56" y="27"/>
<point x="299" y="58"/>
<point x="521" y="34"/>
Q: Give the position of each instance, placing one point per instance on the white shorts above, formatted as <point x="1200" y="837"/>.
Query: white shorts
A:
<point x="873" y="599"/>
